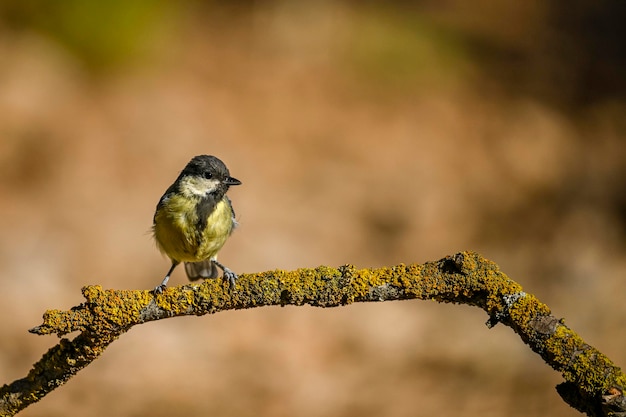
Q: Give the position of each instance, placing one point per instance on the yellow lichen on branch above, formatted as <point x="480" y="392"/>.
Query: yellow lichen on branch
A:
<point x="593" y="384"/>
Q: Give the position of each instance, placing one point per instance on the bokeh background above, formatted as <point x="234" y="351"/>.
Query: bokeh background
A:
<point x="370" y="133"/>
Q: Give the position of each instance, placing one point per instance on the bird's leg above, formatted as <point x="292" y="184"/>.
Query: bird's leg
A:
<point x="159" y="288"/>
<point x="228" y="274"/>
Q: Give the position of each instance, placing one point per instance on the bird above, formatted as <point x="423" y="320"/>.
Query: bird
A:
<point x="194" y="218"/>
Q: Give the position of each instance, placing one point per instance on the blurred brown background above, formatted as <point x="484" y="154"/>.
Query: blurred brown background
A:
<point x="370" y="133"/>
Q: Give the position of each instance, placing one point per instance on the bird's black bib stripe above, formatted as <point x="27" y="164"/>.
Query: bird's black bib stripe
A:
<point x="204" y="208"/>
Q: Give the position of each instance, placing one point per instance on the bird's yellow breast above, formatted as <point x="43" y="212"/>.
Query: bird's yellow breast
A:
<point x="177" y="234"/>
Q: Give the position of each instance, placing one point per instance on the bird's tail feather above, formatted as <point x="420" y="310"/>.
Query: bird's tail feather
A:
<point x="203" y="269"/>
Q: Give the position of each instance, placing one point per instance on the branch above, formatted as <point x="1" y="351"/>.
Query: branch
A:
<point x="593" y="384"/>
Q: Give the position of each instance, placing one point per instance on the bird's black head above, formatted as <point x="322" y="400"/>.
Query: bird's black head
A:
<point x="212" y="170"/>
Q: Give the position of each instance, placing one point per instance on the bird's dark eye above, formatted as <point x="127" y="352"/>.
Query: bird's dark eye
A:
<point x="207" y="174"/>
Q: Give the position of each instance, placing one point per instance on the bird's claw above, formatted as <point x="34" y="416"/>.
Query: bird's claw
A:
<point x="230" y="276"/>
<point x="159" y="289"/>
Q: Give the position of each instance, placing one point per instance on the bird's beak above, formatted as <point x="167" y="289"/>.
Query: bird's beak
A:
<point x="232" y="181"/>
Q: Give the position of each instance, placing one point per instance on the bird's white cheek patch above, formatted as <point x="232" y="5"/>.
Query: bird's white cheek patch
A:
<point x="198" y="186"/>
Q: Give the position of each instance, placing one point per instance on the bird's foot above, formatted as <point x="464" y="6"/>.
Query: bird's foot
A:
<point x="230" y="276"/>
<point x="161" y="287"/>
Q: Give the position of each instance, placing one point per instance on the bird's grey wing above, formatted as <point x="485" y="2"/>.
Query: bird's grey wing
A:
<point x="167" y="194"/>
<point x="235" y="224"/>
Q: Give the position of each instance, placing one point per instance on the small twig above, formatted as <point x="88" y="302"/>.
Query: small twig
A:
<point x="593" y="384"/>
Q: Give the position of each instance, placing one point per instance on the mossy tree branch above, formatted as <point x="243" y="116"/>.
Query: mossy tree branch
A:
<point x="593" y="384"/>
